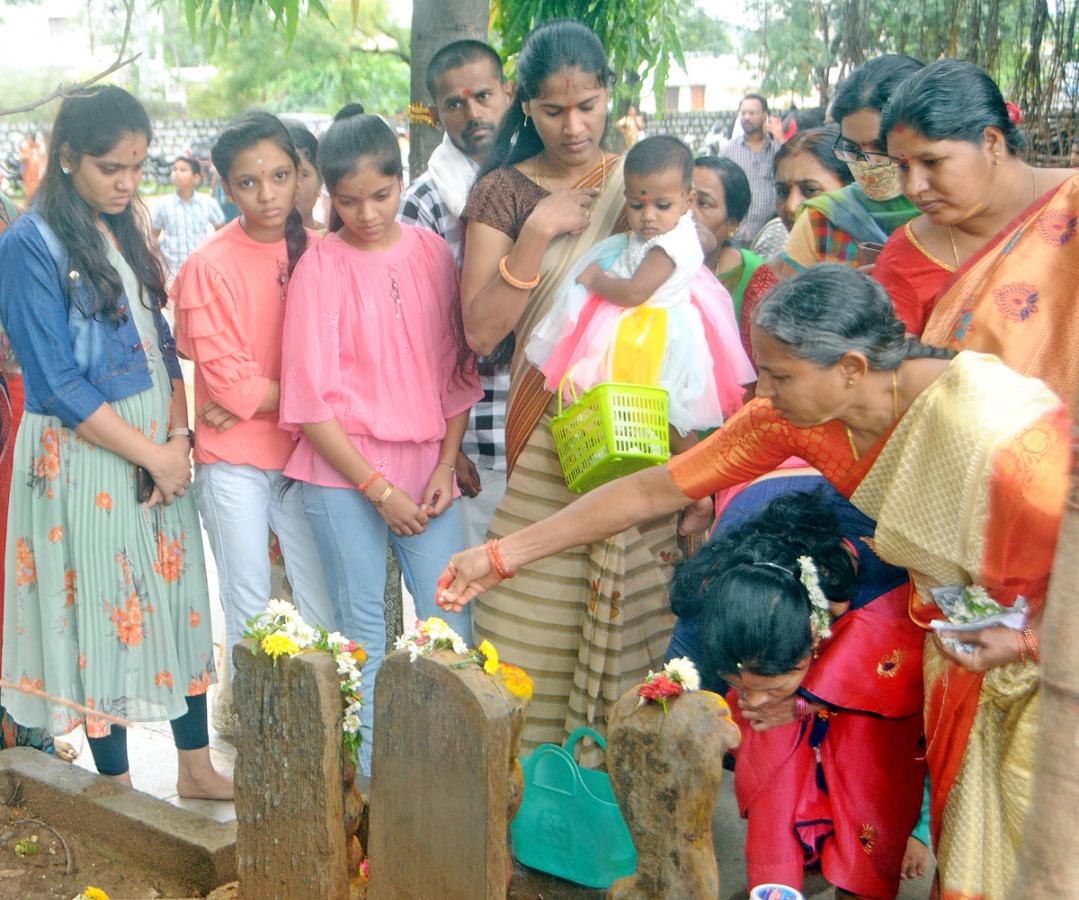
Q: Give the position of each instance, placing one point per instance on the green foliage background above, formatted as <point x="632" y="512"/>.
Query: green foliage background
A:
<point x="324" y="68"/>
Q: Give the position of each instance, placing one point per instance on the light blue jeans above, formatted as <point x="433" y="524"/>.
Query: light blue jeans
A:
<point x="351" y="538"/>
<point x="239" y="506"/>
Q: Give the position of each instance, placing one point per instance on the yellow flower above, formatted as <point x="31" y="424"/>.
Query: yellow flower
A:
<point x="360" y="655"/>
<point x="517" y="680"/>
<point x="93" y="893"/>
<point x="277" y="644"/>
<point x="490" y="657"/>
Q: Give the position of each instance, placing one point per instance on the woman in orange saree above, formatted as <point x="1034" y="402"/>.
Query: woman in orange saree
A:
<point x="993" y="263"/>
<point x="961" y="462"/>
<point x="586" y="624"/>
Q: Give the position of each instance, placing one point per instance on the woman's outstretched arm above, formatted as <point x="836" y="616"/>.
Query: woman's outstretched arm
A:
<point x="599" y="514"/>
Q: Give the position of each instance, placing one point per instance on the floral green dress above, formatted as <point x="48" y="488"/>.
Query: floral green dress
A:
<point x="106" y="600"/>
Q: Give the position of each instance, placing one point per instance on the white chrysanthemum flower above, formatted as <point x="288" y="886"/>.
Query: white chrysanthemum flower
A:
<point x="684" y="672"/>
<point x="401" y="643"/>
<point x="300" y="632"/>
<point x="282" y="608"/>
<point x="459" y="645"/>
<point x="335" y="640"/>
<point x="352" y="724"/>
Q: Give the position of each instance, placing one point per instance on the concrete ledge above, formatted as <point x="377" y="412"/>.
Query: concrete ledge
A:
<point x="122" y="821"/>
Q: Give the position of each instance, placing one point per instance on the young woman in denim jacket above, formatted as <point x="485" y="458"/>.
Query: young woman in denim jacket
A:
<point x="106" y="597"/>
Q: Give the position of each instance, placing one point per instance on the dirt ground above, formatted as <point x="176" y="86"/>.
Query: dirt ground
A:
<point x="44" y="873"/>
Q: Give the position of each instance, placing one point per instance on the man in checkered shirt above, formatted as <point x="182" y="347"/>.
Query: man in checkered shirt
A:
<point x="471" y="96"/>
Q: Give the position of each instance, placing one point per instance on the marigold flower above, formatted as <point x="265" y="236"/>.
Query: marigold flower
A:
<point x="517" y="681"/>
<point x="93" y="893"/>
<point x="490" y="657"/>
<point x="275" y="645"/>
<point x="360" y="655"/>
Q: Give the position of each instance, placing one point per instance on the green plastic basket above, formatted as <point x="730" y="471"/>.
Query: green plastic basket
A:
<point x="610" y="431"/>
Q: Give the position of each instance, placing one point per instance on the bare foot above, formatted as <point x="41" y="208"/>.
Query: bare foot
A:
<point x="211" y="786"/>
<point x="123" y="778"/>
<point x="64" y="751"/>
<point x="197" y="779"/>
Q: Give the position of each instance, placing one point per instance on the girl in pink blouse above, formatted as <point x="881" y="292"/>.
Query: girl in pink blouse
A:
<point x="377" y="377"/>
<point x="230" y="311"/>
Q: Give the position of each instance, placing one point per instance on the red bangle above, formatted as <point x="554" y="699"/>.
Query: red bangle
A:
<point x="801" y="707"/>
<point x="494" y="554"/>
<point x="366" y="486"/>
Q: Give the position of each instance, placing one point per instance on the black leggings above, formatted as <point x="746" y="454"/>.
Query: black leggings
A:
<point x="189" y="732"/>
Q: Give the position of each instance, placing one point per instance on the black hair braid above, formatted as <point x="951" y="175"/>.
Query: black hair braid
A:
<point x="295" y="238"/>
<point x="915" y="349"/>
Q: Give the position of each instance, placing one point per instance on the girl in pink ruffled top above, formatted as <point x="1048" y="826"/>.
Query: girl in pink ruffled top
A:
<point x="230" y="312"/>
<point x="378" y="379"/>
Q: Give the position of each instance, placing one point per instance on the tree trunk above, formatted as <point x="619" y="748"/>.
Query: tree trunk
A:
<point x="436" y="23"/>
<point x="1049" y="855"/>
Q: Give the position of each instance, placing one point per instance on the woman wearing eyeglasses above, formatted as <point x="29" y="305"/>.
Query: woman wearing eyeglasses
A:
<point x="992" y="263"/>
<point x="851" y="225"/>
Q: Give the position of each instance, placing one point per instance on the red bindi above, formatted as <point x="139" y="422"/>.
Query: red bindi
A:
<point x="900" y="129"/>
<point x="467" y="92"/>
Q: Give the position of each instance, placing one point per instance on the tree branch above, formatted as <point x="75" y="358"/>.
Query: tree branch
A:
<point x="65" y="90"/>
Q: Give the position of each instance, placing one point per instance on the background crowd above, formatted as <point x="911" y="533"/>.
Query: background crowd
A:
<point x="868" y="325"/>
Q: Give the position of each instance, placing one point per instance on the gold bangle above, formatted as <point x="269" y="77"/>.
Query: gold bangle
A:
<point x="386" y="493"/>
<point x="515" y="282"/>
<point x="453" y="469"/>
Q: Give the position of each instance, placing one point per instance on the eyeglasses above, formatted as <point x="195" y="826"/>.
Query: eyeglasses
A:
<point x="848" y="152"/>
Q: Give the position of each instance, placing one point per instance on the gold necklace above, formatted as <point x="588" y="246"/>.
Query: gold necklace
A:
<point x="1034" y="196"/>
<point x="546" y="185"/>
<point x="895" y="415"/>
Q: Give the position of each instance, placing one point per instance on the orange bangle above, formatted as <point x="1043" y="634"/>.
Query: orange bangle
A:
<point x="515" y="282"/>
<point x="1031" y="643"/>
<point x="366" y="486"/>
<point x="494" y="554"/>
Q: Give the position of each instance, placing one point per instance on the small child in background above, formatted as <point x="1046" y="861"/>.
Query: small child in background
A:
<point x="309" y="191"/>
<point x="378" y="379"/>
<point x="183" y="219"/>
<point x="642" y="309"/>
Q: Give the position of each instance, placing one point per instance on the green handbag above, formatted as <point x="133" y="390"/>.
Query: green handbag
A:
<point x="569" y="823"/>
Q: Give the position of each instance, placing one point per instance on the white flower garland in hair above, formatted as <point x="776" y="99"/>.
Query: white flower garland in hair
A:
<point x="819" y="616"/>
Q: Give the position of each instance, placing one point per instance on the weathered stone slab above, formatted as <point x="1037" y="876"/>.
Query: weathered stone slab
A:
<point x="290" y="811"/>
<point x="445" y="781"/>
<point x="665" y="771"/>
<point x="147" y="831"/>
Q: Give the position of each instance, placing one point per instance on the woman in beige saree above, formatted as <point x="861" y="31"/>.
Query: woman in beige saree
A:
<point x="587" y="623"/>
<point x="962" y="462"/>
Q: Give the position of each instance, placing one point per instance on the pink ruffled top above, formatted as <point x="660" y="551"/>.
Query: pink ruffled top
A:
<point x="229" y="320"/>
<point x="370" y="340"/>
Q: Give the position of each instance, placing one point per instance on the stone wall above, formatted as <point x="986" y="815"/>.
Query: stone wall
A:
<point x="691" y="127"/>
<point x="171" y="137"/>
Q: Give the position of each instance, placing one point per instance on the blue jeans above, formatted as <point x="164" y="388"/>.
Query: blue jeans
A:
<point x="351" y="539"/>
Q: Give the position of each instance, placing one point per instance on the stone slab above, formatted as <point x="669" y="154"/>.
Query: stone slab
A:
<point x="123" y="821"/>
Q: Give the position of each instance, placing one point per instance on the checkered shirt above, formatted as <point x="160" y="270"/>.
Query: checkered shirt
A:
<point x="485" y="439"/>
<point x="184" y="225"/>
<point x="760" y="170"/>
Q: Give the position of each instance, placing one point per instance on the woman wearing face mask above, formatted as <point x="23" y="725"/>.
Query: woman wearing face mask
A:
<point x="852" y="224"/>
<point x="806" y="168"/>
<point x="992" y="262"/>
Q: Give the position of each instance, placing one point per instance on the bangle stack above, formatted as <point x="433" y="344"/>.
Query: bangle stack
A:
<point x="515" y="282"/>
<point x="494" y="554"/>
<point x="1029" y="650"/>
<point x="801" y="708"/>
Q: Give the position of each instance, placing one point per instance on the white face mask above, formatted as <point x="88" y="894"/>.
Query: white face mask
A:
<point x="876" y="181"/>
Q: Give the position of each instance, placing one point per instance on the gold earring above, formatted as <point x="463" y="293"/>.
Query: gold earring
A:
<point x="997" y="163"/>
<point x="525" y="125"/>
<point x="850" y="382"/>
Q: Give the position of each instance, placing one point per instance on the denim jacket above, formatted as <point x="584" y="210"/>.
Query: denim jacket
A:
<point x="71" y="362"/>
